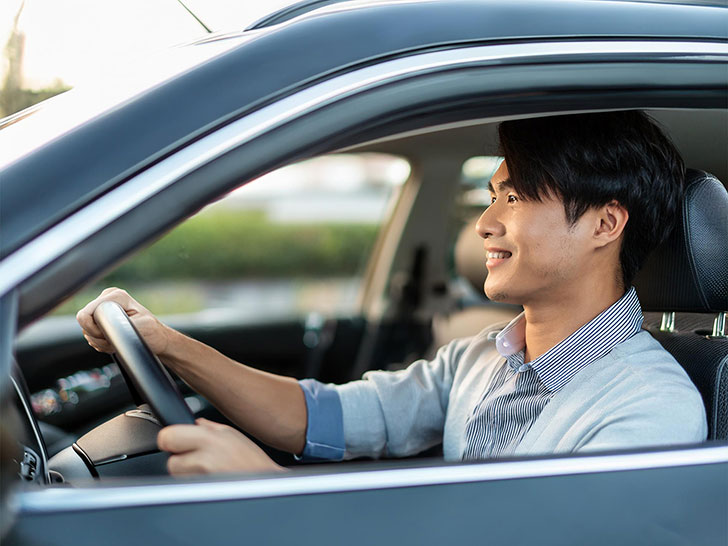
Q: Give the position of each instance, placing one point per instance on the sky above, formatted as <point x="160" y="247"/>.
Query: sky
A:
<point x="70" y="39"/>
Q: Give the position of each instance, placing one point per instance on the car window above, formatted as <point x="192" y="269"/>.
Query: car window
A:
<point x="289" y="243"/>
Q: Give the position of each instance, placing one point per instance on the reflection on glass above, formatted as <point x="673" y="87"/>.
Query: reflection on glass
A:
<point x="67" y="389"/>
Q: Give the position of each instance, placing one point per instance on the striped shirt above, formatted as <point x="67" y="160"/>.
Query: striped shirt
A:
<point x="520" y="391"/>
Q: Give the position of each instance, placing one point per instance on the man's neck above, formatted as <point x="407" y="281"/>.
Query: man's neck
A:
<point x="549" y="322"/>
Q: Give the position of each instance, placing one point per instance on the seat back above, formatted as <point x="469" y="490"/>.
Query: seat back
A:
<point x="689" y="274"/>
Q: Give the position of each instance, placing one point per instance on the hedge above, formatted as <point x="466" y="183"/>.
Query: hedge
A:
<point x="233" y="244"/>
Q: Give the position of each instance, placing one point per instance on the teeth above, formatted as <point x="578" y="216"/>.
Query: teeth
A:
<point x="498" y="255"/>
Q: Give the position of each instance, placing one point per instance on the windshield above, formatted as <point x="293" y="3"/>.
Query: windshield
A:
<point x="30" y="129"/>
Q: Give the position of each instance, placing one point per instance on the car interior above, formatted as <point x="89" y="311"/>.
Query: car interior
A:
<point x="421" y="288"/>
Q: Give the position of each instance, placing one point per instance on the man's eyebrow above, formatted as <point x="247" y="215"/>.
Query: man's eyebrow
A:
<point x="503" y="185"/>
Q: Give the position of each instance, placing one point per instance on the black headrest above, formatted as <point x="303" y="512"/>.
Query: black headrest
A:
<point x="689" y="271"/>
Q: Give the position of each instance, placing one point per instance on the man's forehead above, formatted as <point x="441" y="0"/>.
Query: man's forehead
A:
<point x="500" y="179"/>
<point x="501" y="173"/>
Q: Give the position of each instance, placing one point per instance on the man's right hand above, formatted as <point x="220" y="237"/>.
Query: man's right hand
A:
<point x="154" y="332"/>
<point x="270" y="407"/>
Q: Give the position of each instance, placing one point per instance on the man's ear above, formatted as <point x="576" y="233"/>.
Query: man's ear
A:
<point x="611" y="220"/>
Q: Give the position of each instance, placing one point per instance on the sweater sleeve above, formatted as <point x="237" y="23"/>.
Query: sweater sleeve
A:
<point x="399" y="413"/>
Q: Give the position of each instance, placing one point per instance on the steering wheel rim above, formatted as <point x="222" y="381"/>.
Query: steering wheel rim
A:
<point x="146" y="372"/>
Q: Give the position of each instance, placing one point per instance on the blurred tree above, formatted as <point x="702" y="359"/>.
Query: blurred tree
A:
<point x="13" y="97"/>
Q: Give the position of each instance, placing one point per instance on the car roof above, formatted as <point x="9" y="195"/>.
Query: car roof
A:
<point x="255" y="67"/>
<point x="297" y="9"/>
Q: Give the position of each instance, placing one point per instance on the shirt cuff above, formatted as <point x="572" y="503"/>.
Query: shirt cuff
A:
<point x="325" y="423"/>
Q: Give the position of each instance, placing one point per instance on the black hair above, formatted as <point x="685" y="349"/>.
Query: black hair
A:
<point x="588" y="160"/>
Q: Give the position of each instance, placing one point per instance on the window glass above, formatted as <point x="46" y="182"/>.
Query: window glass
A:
<point x="476" y="173"/>
<point x="294" y="241"/>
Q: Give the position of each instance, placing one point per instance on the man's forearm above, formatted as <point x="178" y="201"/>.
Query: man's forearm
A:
<point x="270" y="407"/>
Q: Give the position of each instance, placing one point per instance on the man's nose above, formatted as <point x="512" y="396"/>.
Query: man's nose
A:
<point x="488" y="225"/>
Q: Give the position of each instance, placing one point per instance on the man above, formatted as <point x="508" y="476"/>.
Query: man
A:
<point x="576" y="206"/>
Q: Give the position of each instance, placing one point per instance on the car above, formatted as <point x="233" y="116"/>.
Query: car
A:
<point x="412" y="89"/>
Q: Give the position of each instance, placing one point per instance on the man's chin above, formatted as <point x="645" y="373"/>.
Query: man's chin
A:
<point x="498" y="294"/>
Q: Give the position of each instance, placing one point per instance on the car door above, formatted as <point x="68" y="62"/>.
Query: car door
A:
<point x="678" y="496"/>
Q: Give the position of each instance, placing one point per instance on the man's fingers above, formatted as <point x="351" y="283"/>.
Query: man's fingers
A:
<point x="100" y="344"/>
<point x="210" y="425"/>
<point x="88" y="325"/>
<point x="211" y="447"/>
<point x="185" y="443"/>
<point x="182" y="438"/>
<point x="189" y="463"/>
<point x="85" y="316"/>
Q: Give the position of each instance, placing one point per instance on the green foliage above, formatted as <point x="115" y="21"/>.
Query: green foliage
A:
<point x="233" y="244"/>
<point x="13" y="96"/>
<point x="163" y="298"/>
<point x="13" y="100"/>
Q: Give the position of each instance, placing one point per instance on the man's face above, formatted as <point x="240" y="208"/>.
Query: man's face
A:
<point x="533" y="254"/>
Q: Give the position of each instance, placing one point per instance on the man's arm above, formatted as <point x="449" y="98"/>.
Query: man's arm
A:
<point x="399" y="413"/>
<point x="270" y="407"/>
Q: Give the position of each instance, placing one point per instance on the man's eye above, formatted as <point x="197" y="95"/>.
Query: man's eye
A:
<point x="492" y="199"/>
<point x="512" y="198"/>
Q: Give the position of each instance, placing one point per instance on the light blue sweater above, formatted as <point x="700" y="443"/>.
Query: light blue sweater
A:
<point x="635" y="396"/>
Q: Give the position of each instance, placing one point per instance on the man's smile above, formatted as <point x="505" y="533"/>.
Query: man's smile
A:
<point x="496" y="256"/>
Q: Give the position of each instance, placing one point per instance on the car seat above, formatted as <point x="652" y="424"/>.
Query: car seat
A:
<point x="689" y="274"/>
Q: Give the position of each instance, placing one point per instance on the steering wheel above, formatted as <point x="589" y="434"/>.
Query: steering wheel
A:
<point x="146" y="373"/>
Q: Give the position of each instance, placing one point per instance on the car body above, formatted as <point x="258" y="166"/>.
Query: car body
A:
<point x="93" y="175"/>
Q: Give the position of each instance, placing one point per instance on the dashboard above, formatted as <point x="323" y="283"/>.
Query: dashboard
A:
<point x="122" y="446"/>
<point x="29" y="457"/>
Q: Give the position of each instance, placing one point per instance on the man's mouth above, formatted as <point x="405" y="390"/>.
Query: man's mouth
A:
<point x="495" y="258"/>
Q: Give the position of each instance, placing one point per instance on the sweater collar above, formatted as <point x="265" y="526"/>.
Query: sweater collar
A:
<point x="590" y="342"/>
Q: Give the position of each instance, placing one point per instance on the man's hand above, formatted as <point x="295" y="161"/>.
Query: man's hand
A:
<point x="211" y="447"/>
<point x="151" y="329"/>
<point x="270" y="407"/>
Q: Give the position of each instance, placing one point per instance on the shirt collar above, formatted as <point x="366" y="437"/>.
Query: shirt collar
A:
<point x="590" y="342"/>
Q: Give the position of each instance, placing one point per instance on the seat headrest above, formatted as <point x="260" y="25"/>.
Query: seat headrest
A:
<point x="470" y="256"/>
<point x="689" y="271"/>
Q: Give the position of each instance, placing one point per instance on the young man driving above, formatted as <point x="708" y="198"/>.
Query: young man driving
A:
<point x="577" y="205"/>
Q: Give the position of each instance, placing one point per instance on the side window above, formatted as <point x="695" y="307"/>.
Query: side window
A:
<point x="292" y="242"/>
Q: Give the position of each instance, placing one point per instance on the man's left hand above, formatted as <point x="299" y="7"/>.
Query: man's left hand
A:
<point x="209" y="447"/>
